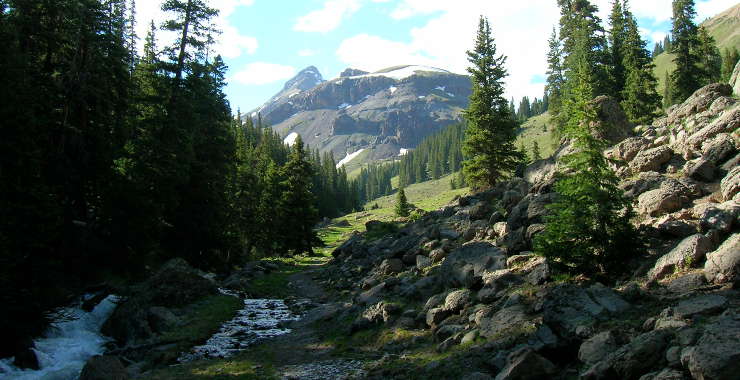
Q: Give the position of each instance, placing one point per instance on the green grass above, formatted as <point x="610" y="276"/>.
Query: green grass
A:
<point x="275" y="283"/>
<point x="429" y="195"/>
<point x="215" y="369"/>
<point x="541" y="129"/>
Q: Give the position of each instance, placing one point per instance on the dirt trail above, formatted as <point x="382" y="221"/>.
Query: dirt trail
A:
<point x="301" y="354"/>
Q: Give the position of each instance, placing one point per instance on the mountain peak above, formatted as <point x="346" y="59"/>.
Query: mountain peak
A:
<point x="306" y="79"/>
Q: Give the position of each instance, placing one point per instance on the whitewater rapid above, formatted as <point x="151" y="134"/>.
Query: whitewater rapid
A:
<point x="67" y="344"/>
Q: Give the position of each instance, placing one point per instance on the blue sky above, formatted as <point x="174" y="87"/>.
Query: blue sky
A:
<point x="266" y="42"/>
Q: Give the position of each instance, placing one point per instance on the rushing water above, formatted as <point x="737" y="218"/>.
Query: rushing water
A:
<point x="259" y="319"/>
<point x="67" y="345"/>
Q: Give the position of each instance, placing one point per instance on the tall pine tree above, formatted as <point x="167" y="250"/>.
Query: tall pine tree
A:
<point x="489" y="143"/>
<point x="688" y="75"/>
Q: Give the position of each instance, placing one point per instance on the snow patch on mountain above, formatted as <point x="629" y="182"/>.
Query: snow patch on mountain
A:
<point x="290" y="139"/>
<point x="349" y="157"/>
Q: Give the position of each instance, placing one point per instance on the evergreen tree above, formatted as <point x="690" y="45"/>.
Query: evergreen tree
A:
<point x="588" y="230"/>
<point x="710" y="60"/>
<point x="402" y="205"/>
<point x="536" y="155"/>
<point x="555" y="77"/>
<point x="617" y="39"/>
<point x="489" y="143"/>
<point x="297" y="202"/>
<point x="640" y="101"/>
<point x="688" y="75"/>
<point x="730" y="58"/>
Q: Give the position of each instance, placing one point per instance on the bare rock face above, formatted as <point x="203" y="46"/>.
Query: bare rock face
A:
<point x="633" y="359"/>
<point x="727" y="122"/>
<point x="699" y="102"/>
<point x="380" y="112"/>
<point x="723" y="265"/>
<point x="525" y="364"/>
<point x="672" y="195"/>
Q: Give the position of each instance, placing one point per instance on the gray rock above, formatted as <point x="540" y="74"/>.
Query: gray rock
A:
<point x="633" y="359"/>
<point x="645" y="181"/>
<point x="465" y="266"/>
<point x="720" y="217"/>
<point x="628" y="149"/>
<point x="651" y="159"/>
<point x="423" y="262"/>
<point x="597" y="347"/>
<point x="508" y="322"/>
<point x="381" y="312"/>
<point x="436" y="315"/>
<point x="677" y="228"/>
<point x="104" y="368"/>
<point x="727" y="122"/>
<point x="672" y="195"/>
<point x="477" y="376"/>
<point x="717" y="353"/>
<point x="537" y="207"/>
<point x="447" y="331"/>
<point x="437" y="255"/>
<point x="690" y="250"/>
<point x="730" y="184"/>
<point x="723" y="265"/>
<point x="457" y="300"/>
<point x="470" y="336"/>
<point x="719" y="149"/>
<point x="480" y="210"/>
<point x="687" y="282"/>
<point x="701" y="169"/>
<point x="525" y="364"/>
<point x="568" y="307"/>
<point x="391" y="266"/>
<point x="434" y="301"/>
<point x="703" y="304"/>
<point x="162" y="319"/>
<point x="372" y="295"/>
<point x="665" y="374"/>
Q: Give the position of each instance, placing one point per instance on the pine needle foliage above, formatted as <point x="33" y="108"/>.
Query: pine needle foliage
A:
<point x="588" y="229"/>
<point x="402" y="205"/>
<point x="489" y="140"/>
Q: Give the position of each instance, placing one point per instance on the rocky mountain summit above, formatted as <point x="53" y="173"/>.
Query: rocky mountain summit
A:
<point x="465" y="273"/>
<point x="379" y="113"/>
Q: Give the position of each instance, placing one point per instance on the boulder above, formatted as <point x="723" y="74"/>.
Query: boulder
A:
<point x="665" y="374"/>
<point x="480" y="210"/>
<point x="727" y="122"/>
<point x="457" y="300"/>
<point x="508" y="322"/>
<point x="628" y="149"/>
<point x="677" y="228"/>
<point x="465" y="266"/>
<point x="689" y="251"/>
<point x="614" y="125"/>
<point x="632" y="360"/>
<point x="437" y="255"/>
<point x="723" y="265"/>
<point x="719" y="149"/>
<point x="645" y="181"/>
<point x="104" y="368"/>
<point x="730" y="185"/>
<point x="703" y="304"/>
<point x="391" y="266"/>
<point x="537" y="207"/>
<point x="525" y="364"/>
<point x="597" y="347"/>
<point x="372" y="295"/>
<point x="672" y="195"/>
<point x="687" y="282"/>
<point x="651" y="159"/>
<point x="161" y="319"/>
<point x="569" y="307"/>
<point x="381" y="312"/>
<point x="717" y="353"/>
<point x="720" y="217"/>
<point x="423" y="262"/>
<point x="436" y="315"/>
<point x="701" y="169"/>
<point x="699" y="101"/>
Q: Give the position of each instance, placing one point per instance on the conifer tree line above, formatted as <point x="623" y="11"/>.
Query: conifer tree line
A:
<point x="113" y="159"/>
<point x="529" y="108"/>
<point x="436" y="156"/>
<point x="662" y="46"/>
<point x="374" y="181"/>
<point x="617" y="59"/>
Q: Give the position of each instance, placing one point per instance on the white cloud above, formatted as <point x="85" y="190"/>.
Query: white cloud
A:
<point x="443" y="40"/>
<point x="327" y="18"/>
<point x="306" y="53"/>
<point x="230" y="43"/>
<point x="707" y="9"/>
<point x="258" y="73"/>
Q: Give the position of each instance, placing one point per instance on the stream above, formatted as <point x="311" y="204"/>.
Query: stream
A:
<point x="258" y="319"/>
<point x="67" y="344"/>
